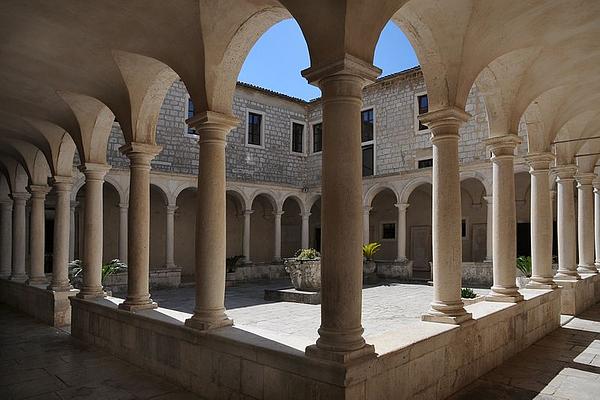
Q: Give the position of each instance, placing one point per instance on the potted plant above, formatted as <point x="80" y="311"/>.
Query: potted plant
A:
<point x="469" y="296"/>
<point x="110" y="268"/>
<point x="305" y="270"/>
<point x="369" y="251"/>
<point x="524" y="267"/>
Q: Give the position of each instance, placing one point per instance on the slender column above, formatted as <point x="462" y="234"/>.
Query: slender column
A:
<point x="246" y="244"/>
<point x="62" y="229"/>
<point x="123" y="211"/>
<point x="567" y="265"/>
<point x="37" y="234"/>
<point x="447" y="306"/>
<point x="305" y="229"/>
<point x="18" y="237"/>
<point x="277" y="256"/>
<point x="212" y="131"/>
<point x="72" y="230"/>
<point x="92" y="230"/>
<point x="138" y="240"/>
<point x="340" y="334"/>
<point x="504" y="225"/>
<point x="401" y="231"/>
<point x="489" y="228"/>
<point x="6" y="238"/>
<point x="585" y="223"/>
<point x="170" y="245"/>
<point x="366" y="222"/>
<point x="541" y="222"/>
<point x="597" y="222"/>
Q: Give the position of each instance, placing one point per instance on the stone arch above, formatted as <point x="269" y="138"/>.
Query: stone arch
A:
<point x="269" y="195"/>
<point x="411" y="185"/>
<point x="374" y="190"/>
<point x="295" y="198"/>
<point x="123" y="193"/>
<point x="181" y="188"/>
<point x="239" y="195"/>
<point x="487" y="185"/>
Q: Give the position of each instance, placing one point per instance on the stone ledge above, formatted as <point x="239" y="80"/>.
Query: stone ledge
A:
<point x="577" y="296"/>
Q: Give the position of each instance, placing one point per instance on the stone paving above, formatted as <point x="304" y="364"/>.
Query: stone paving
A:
<point x="43" y="363"/>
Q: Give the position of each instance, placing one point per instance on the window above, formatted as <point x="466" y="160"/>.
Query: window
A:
<point x="254" y="128"/>
<point x="297" y="137"/>
<point x="388" y="231"/>
<point x="428" y="162"/>
<point x="423" y="104"/>
<point x="317" y="137"/>
<point x="463" y="228"/>
<point x="368" y="145"/>
<point x="191" y="110"/>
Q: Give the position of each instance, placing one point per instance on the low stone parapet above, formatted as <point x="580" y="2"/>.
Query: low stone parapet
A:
<point x="257" y="272"/>
<point x="477" y="274"/>
<point x="160" y="278"/>
<point x="52" y="308"/>
<point x="579" y="295"/>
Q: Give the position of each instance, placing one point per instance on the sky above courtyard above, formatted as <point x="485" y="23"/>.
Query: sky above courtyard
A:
<point x="281" y="53"/>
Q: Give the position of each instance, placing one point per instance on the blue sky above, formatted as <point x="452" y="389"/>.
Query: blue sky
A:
<point x="280" y="54"/>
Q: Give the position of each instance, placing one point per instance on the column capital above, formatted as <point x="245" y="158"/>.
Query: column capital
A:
<point x="489" y="199"/>
<point x="596" y="184"/>
<point x="20" y="196"/>
<point x="402" y="206"/>
<point x="502" y="146"/>
<point x="305" y="215"/>
<point x="38" y="191"/>
<point x="444" y="123"/>
<point x="94" y="171"/>
<point x="585" y="179"/>
<point x="212" y="127"/>
<point x="140" y="153"/>
<point x="367" y="209"/>
<point x="248" y="212"/>
<point x="123" y="206"/>
<point x="564" y="172"/>
<point x="278" y="213"/>
<point x="348" y="65"/>
<point x="62" y="183"/>
<point x="171" y="208"/>
<point x="539" y="162"/>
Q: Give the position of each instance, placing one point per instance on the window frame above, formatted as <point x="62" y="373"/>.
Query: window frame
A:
<point x="424" y="159"/>
<point x="303" y="123"/>
<point x="312" y="136"/>
<point x="416" y="112"/>
<point x="381" y="224"/>
<point x="372" y="142"/>
<point x="262" y="128"/>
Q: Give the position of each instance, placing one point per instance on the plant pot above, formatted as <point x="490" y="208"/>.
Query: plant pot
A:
<point x="304" y="274"/>
<point x="522" y="281"/>
<point x="369" y="267"/>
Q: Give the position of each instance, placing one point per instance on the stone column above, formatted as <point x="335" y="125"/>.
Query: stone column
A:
<point x="340" y="334"/>
<point x="246" y="239"/>
<point x="585" y="223"/>
<point x="366" y="222"/>
<point x="6" y="238"/>
<point x="123" y="211"/>
<point x="170" y="245"/>
<point x="18" y="237"/>
<point x="565" y="220"/>
<point x="63" y="220"/>
<point x="212" y="131"/>
<point x="92" y="230"/>
<point x="489" y="228"/>
<point x="447" y="306"/>
<point x="277" y="256"/>
<point x="541" y="222"/>
<point x="305" y="229"/>
<point x="401" y="231"/>
<point x="597" y="222"/>
<point x="138" y="240"/>
<point x="504" y="225"/>
<point x="37" y="275"/>
<point x="74" y="205"/>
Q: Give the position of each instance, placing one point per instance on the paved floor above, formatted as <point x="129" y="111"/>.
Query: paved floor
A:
<point x="40" y="362"/>
<point x="563" y="365"/>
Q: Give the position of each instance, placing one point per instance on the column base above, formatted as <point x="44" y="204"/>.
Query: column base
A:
<point x="542" y="285"/>
<point x="587" y="269"/>
<point x="365" y="353"/>
<point x="441" y="318"/>
<point x="90" y="295"/>
<point x="133" y="307"/>
<point x="18" y="278"/>
<point x="60" y="287"/>
<point x="567" y="275"/>
<point x="504" y="295"/>
<point x="202" y="324"/>
<point x="488" y="260"/>
<point x="37" y="281"/>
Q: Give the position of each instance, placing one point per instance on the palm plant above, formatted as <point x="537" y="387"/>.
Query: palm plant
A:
<point x="370" y="249"/>
<point x="524" y="265"/>
<point x="113" y="267"/>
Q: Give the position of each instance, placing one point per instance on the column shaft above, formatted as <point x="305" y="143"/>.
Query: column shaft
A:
<point x="541" y="222"/>
<point x="138" y="253"/>
<point x="170" y="237"/>
<point x="305" y="229"/>
<point x="447" y="306"/>
<point x="212" y="130"/>
<point x="18" y="237"/>
<point x="62" y="227"/>
<point x="277" y="255"/>
<point x="567" y="264"/>
<point x="246" y="238"/>
<point x="93" y="230"/>
<point x="37" y="233"/>
<point x="6" y="238"/>
<point x="597" y="223"/>
<point x="123" y="211"/>
<point x="504" y="225"/>
<point x="401" y="231"/>
<point x="365" y="224"/>
<point x="585" y="223"/>
<point x="489" y="228"/>
<point x="71" y="256"/>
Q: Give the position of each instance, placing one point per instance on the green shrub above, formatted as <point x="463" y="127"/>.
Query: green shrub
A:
<point x="524" y="265"/>
<point x="467" y="293"/>
<point x="307" y="254"/>
<point x="370" y="249"/>
<point x="112" y="267"/>
<point x="231" y="262"/>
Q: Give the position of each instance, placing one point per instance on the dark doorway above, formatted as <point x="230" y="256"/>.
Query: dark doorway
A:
<point x="318" y="239"/>
<point x="48" y="244"/>
<point x="523" y="239"/>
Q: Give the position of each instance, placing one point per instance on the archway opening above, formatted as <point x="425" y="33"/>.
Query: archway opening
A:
<point x="158" y="219"/>
<point x="262" y="229"/>
<point x="383" y="224"/>
<point x="418" y="230"/>
<point x="314" y="225"/>
<point x="291" y="227"/>
<point x="185" y="232"/>
<point x="523" y="212"/>
<point x="474" y="220"/>
<point x="235" y="224"/>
